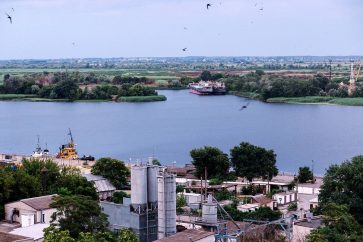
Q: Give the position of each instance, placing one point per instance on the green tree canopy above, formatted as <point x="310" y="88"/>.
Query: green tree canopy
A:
<point x="213" y="159"/>
<point x="305" y="174"/>
<point x="343" y="185"/>
<point x="114" y="170"/>
<point x="339" y="225"/>
<point x="78" y="213"/>
<point x="206" y="76"/>
<point x="252" y="161"/>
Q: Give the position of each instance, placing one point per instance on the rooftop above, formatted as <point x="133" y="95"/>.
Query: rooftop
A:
<point x="35" y="231"/>
<point x="101" y="183"/>
<point x="315" y="223"/>
<point x="39" y="203"/>
<point x="261" y="199"/>
<point x="6" y="237"/>
<point x="187" y="235"/>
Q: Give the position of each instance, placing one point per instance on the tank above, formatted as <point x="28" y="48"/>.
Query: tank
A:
<point x="166" y="205"/>
<point x="138" y="185"/>
<point x="152" y="185"/>
<point x="209" y="211"/>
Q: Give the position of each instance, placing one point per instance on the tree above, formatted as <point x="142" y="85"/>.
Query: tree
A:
<point x="305" y="174"/>
<point x="126" y="235"/>
<point x="54" y="234"/>
<point x="252" y="161"/>
<point x="206" y="76"/>
<point x="212" y="159"/>
<point x="114" y="170"/>
<point x="339" y="225"/>
<point x="156" y="162"/>
<point x="343" y="185"/>
<point x="66" y="89"/>
<point x="118" y="197"/>
<point x="78" y="213"/>
<point x="70" y="182"/>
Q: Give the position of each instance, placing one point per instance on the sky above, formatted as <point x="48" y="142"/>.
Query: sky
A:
<point x="162" y="28"/>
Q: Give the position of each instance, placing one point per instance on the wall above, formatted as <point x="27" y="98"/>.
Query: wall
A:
<point x="47" y="215"/>
<point x="23" y="209"/>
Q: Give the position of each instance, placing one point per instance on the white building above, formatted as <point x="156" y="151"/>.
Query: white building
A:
<point x="283" y="198"/>
<point x="30" y="211"/>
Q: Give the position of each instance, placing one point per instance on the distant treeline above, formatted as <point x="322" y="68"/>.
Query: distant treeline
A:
<point x="270" y="86"/>
<point x="64" y="87"/>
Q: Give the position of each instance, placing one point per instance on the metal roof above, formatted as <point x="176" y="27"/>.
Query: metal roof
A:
<point x="39" y="203"/>
<point x="101" y="184"/>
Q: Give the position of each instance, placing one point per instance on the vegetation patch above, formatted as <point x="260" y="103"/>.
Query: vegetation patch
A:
<point x="354" y="101"/>
<point x="142" y="98"/>
<point x="15" y="96"/>
<point x="308" y="99"/>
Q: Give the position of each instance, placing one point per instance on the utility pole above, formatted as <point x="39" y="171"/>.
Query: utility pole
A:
<point x="312" y="169"/>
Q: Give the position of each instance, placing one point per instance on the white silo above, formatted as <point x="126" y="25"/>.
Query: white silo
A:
<point x="138" y="186"/>
<point x="209" y="211"/>
<point x="166" y="205"/>
<point x="152" y="185"/>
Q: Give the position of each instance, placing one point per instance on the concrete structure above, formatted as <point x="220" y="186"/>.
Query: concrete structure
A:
<point x="189" y="235"/>
<point x="35" y="232"/>
<point x="257" y="202"/>
<point x="30" y="211"/>
<point x="7" y="237"/>
<point x="140" y="212"/>
<point x="302" y="228"/>
<point x="120" y="216"/>
<point x="310" y="188"/>
<point x="193" y="199"/>
<point x="166" y="205"/>
<point x="104" y="188"/>
<point x="209" y="211"/>
<point x="283" y="198"/>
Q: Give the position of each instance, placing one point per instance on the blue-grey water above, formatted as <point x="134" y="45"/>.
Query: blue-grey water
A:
<point x="169" y="130"/>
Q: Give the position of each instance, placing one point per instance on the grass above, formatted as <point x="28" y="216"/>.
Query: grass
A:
<point x="354" y="101"/>
<point x="15" y="96"/>
<point x="142" y="98"/>
<point x="308" y="99"/>
<point x="251" y="95"/>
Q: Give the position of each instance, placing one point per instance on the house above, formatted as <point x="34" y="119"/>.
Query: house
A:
<point x="104" y="188"/>
<point x="283" y="198"/>
<point x="314" y="203"/>
<point x="30" y="211"/>
<point x="310" y="188"/>
<point x="257" y="202"/>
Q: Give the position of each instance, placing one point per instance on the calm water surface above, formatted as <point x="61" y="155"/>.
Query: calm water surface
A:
<point x="169" y="130"/>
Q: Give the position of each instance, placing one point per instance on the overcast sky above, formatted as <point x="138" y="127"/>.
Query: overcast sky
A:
<point x="130" y="28"/>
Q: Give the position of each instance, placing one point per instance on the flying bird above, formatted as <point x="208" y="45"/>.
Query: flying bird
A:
<point x="185" y="28"/>
<point x="209" y="5"/>
<point x="184" y="49"/>
<point x="9" y="17"/>
<point x="13" y="9"/>
<point x="261" y="9"/>
<point x="244" y="106"/>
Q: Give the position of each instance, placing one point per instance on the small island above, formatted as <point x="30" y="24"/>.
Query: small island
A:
<point x="60" y="87"/>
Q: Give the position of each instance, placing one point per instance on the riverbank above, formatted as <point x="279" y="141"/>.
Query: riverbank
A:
<point x="355" y="101"/>
<point x="35" y="98"/>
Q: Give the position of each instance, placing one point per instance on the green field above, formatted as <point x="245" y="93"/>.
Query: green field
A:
<point x="355" y="101"/>
<point x="142" y="98"/>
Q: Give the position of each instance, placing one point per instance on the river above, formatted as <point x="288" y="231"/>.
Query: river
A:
<point x="169" y="130"/>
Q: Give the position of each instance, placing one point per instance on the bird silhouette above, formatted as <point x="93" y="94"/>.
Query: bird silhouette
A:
<point x="13" y="9"/>
<point x="261" y="9"/>
<point x="9" y="17"/>
<point x="185" y="28"/>
<point x="184" y="49"/>
<point x="209" y="5"/>
<point x="244" y="106"/>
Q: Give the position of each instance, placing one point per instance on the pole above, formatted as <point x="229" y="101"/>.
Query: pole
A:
<point x="205" y="182"/>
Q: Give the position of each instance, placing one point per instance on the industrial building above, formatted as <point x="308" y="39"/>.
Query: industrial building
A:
<point x="151" y="188"/>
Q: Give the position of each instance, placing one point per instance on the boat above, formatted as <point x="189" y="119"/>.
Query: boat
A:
<point x="207" y="88"/>
<point x="68" y="151"/>
<point x="38" y="152"/>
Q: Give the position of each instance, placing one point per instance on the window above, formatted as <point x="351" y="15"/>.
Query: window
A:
<point x="43" y="218"/>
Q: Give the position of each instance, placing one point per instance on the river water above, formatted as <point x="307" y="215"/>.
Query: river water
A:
<point x="169" y="130"/>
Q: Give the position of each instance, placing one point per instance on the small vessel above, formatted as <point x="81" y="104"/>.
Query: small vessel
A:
<point x="68" y="151"/>
<point x="38" y="152"/>
<point x="207" y="88"/>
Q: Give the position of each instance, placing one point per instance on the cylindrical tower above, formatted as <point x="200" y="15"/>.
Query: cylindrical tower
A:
<point x="138" y="185"/>
<point x="152" y="186"/>
<point x="166" y="205"/>
<point x="209" y="211"/>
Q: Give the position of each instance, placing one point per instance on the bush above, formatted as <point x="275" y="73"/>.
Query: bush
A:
<point x="142" y="98"/>
<point x="223" y="195"/>
<point x="292" y="207"/>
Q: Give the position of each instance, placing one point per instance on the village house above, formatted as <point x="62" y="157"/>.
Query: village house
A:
<point x="104" y="188"/>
